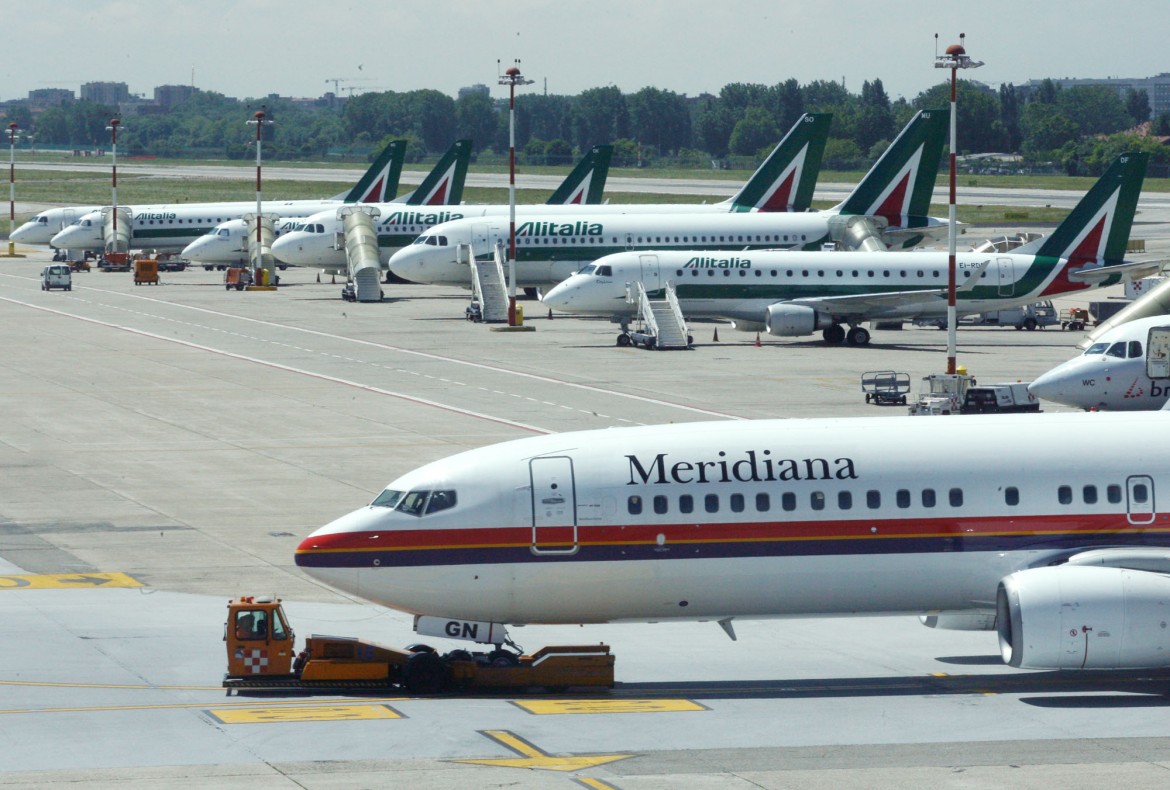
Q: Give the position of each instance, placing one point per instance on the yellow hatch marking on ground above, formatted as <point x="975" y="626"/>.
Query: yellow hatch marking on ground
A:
<point x="133" y="687"/>
<point x="534" y="757"/>
<point x="303" y="713"/>
<point x="551" y="707"/>
<point x="596" y="784"/>
<point x="66" y="581"/>
<point x="174" y="706"/>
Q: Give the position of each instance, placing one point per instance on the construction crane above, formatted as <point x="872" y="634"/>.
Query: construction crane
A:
<point x="337" y="81"/>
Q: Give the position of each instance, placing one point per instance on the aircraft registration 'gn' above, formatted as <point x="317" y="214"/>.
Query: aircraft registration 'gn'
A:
<point x="1068" y="561"/>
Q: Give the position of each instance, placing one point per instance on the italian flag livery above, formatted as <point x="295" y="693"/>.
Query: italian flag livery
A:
<point x="786" y="180"/>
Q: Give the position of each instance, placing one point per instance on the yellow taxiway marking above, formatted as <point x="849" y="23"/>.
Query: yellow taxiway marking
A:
<point x="67" y="581"/>
<point x="532" y="756"/>
<point x="174" y="706"/>
<point x="552" y="707"/>
<point x="596" y="784"/>
<point x="303" y="713"/>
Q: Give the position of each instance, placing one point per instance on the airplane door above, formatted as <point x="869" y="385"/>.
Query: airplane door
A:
<point x="650" y="276"/>
<point x="554" y="505"/>
<point x="1006" y="272"/>
<point x="68" y="217"/>
<point x="481" y="243"/>
<point x="1139" y="499"/>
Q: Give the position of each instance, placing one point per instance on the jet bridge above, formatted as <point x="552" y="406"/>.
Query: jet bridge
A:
<point x="857" y="232"/>
<point x="361" y="251"/>
<point x="119" y="241"/>
<point x="260" y="250"/>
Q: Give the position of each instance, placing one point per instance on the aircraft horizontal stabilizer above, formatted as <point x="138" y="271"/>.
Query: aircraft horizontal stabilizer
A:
<point x="1133" y="270"/>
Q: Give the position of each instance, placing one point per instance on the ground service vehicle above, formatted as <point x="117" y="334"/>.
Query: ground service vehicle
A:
<point x="261" y="655"/>
<point x="999" y="398"/>
<point x="56" y="276"/>
<point x="237" y="277"/>
<point x="145" y="271"/>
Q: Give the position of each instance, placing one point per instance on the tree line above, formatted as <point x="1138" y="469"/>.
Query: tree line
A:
<point x="1079" y="128"/>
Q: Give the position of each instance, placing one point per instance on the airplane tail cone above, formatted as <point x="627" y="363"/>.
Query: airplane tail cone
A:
<point x="757" y="339"/>
<point x="715" y="337"/>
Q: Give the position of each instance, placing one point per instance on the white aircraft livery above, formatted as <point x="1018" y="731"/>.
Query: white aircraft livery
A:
<point x="790" y="294"/>
<point x="1125" y="369"/>
<point x="1069" y="561"/>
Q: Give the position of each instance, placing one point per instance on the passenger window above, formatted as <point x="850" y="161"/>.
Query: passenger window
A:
<point x="873" y="499"/>
<point x="844" y="500"/>
<point x="1113" y="494"/>
<point x="735" y="501"/>
<point x="1090" y="494"/>
<point x="956" y="497"/>
<point x="928" y="499"/>
<point x="660" y="504"/>
<point x="763" y="503"/>
<point x="711" y="503"/>
<point x="1011" y="495"/>
<point x="634" y="505"/>
<point x="686" y="504"/>
<point x="788" y="500"/>
<point x="902" y="498"/>
<point x="817" y="500"/>
<point x="440" y="500"/>
<point x="1064" y="495"/>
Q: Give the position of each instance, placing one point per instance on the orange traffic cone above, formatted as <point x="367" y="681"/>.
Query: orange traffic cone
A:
<point x="757" y="339"/>
<point x="715" y="337"/>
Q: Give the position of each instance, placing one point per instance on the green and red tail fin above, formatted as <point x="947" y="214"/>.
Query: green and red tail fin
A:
<point x="787" y="178"/>
<point x="380" y="183"/>
<point x="586" y="183"/>
<point x="1097" y="229"/>
<point x="443" y="186"/>
<point x="899" y="186"/>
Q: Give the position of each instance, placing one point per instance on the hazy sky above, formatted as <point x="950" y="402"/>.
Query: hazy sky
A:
<point x="247" y="48"/>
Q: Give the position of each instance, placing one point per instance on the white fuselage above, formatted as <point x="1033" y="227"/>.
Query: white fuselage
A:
<point x="750" y="519"/>
<point x="1113" y="373"/>
<point x="48" y="223"/>
<point x="227" y="243"/>
<point x="174" y="226"/>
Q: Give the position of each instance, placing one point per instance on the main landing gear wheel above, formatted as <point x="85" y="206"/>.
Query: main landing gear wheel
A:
<point x="857" y="336"/>
<point x="623" y="340"/>
<point x="833" y="334"/>
<point x="424" y="674"/>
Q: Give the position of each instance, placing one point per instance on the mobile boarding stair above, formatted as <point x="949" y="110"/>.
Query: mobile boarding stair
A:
<point x="489" y="294"/>
<point x="660" y="321"/>
<point x="361" y="254"/>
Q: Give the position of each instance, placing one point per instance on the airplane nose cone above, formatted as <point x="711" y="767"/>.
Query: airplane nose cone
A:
<point x="559" y="297"/>
<point x="195" y="249"/>
<point x="24" y="233"/>
<point x="288" y="248"/>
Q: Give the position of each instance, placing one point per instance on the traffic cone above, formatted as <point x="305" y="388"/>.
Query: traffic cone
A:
<point x="333" y="279"/>
<point x="318" y="278"/>
<point x="715" y="337"/>
<point x="550" y="314"/>
<point x="757" y="339"/>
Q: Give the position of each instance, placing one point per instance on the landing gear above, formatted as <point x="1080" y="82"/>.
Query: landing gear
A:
<point x="834" y="334"/>
<point x="624" y="340"/>
<point x="857" y="336"/>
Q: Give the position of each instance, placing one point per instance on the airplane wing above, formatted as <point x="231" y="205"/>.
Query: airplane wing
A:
<point x="1131" y="271"/>
<point x="900" y="302"/>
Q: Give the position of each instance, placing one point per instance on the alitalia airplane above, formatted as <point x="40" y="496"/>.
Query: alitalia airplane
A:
<point x="174" y="226"/>
<point x="227" y="242"/>
<point x="1125" y="369"/>
<point x="720" y="521"/>
<point x="888" y="208"/>
<point x="784" y="182"/>
<point x="789" y="294"/>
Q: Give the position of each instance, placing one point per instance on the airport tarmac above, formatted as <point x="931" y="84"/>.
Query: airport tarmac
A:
<point x="165" y="448"/>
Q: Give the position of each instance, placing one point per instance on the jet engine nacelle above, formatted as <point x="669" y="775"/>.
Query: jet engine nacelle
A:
<point x="748" y="326"/>
<point x="959" y="621"/>
<point x="792" y="320"/>
<point x="1082" y="617"/>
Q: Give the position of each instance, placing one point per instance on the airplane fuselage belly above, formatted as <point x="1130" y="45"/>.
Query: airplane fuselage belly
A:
<point x="550" y="590"/>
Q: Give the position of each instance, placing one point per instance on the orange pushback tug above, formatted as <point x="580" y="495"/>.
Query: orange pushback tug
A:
<point x="261" y="655"/>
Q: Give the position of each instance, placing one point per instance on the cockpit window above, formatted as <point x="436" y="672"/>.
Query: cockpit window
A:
<point x="388" y="498"/>
<point x="588" y="269"/>
<point x="224" y="232"/>
<point x="412" y="503"/>
<point x="605" y="271"/>
<point x="42" y="220"/>
<point x="424" y="240"/>
<point x="432" y="240"/>
<point x="440" y="500"/>
<point x="1097" y="348"/>
<point x="442" y="241"/>
<point x="1135" y="349"/>
<point x="1116" y="350"/>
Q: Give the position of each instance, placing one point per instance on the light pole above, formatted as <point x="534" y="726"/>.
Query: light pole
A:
<point x="113" y="130"/>
<point x="512" y="78"/>
<point x="260" y="121"/>
<point x="11" y="188"/>
<point x="954" y="59"/>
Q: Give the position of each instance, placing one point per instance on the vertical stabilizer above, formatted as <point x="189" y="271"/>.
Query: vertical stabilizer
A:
<point x="380" y="183"/>
<point x="787" y="178"/>
<point x="585" y="185"/>
<point x="443" y="186"/>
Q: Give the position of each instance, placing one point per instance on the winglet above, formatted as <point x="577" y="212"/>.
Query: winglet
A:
<point x="585" y="184"/>
<point x="899" y="185"/>
<point x="787" y="178"/>
<point x="443" y="186"/>
<point x="380" y="182"/>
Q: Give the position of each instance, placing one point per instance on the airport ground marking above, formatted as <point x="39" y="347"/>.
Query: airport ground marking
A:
<point x="66" y="581"/>
<point x="302" y="713"/>
<point x="183" y="705"/>
<point x="596" y="784"/>
<point x="533" y="757"/>
<point x="559" y="707"/>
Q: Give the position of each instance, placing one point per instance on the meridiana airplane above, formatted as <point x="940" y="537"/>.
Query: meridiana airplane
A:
<point x="887" y="208"/>
<point x="789" y="294"/>
<point x="717" y="521"/>
<point x="227" y="242"/>
<point x="174" y="226"/>
<point x="1125" y="369"/>
<point x="785" y="180"/>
